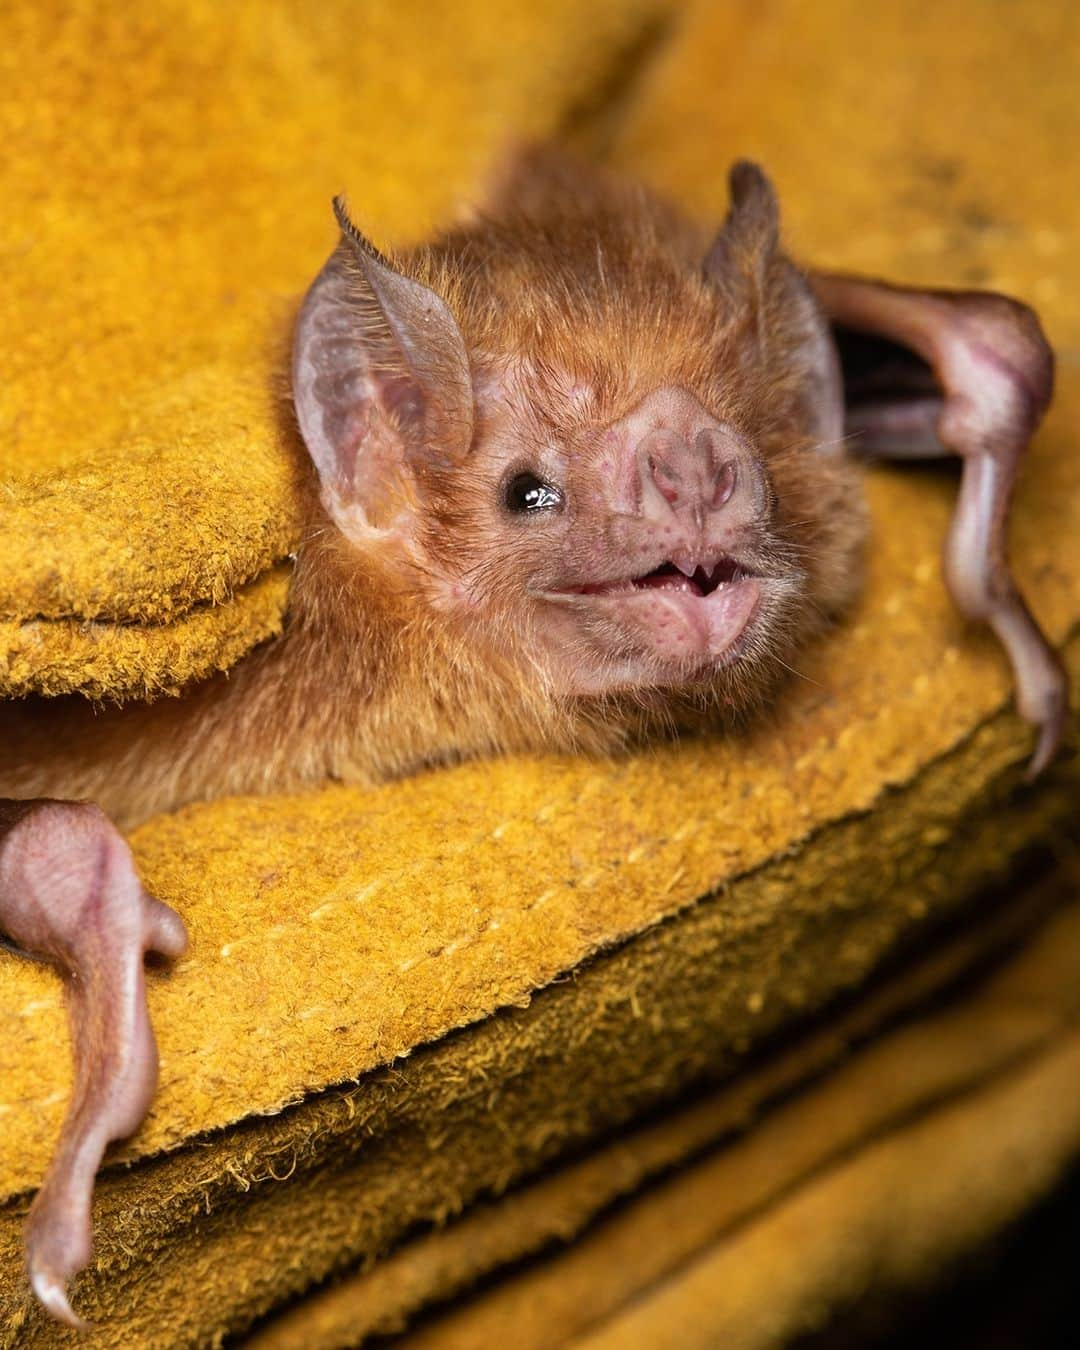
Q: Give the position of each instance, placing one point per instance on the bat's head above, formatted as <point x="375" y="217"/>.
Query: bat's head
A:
<point x="590" y="441"/>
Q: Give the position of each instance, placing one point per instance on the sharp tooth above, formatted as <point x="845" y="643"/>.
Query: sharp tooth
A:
<point x="683" y="561"/>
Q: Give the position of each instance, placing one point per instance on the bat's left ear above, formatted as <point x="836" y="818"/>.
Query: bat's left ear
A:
<point x="381" y="385"/>
<point x="782" y="322"/>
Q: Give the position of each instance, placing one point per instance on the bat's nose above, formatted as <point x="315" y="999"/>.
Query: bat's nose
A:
<point x="692" y="478"/>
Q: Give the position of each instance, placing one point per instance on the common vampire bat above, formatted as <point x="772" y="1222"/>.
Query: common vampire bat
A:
<point x="579" y="469"/>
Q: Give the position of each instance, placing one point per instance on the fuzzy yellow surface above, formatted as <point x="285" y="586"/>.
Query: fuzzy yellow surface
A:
<point x="716" y="1172"/>
<point x="861" y="1229"/>
<point x="254" y="1214"/>
<point x="166" y="178"/>
<point x="845" y="1188"/>
<point x="932" y="148"/>
<point x="130" y="660"/>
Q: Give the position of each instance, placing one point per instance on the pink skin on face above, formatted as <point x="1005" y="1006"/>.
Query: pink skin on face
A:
<point x="659" y="555"/>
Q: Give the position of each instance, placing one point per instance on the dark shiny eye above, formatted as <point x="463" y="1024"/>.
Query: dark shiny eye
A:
<point x="526" y="492"/>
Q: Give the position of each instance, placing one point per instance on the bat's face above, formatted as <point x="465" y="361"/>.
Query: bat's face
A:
<point x="633" y="484"/>
<point x="643" y="552"/>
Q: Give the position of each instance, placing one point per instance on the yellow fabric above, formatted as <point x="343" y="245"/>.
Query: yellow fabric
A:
<point x="906" y="1157"/>
<point x="250" y="1216"/>
<point x="931" y="148"/>
<point x="135" y="660"/>
<point x="755" y="1149"/>
<point x="333" y="932"/>
<point x="169" y="171"/>
<point x="166" y="179"/>
<point x="894" y="1217"/>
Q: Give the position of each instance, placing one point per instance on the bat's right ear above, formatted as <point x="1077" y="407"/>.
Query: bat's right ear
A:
<point x="750" y="235"/>
<point x="782" y="320"/>
<point x="380" y="382"/>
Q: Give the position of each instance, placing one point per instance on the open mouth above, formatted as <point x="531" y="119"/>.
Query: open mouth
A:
<point x="684" y="618"/>
<point x="701" y="581"/>
<point x="686" y="579"/>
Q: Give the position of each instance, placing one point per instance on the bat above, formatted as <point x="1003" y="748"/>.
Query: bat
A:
<point x="579" y="471"/>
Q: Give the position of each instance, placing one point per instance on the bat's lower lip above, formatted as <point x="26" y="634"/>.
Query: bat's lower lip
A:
<point x="679" y="625"/>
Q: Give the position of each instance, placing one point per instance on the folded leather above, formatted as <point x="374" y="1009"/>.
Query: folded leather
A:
<point x="872" y="1182"/>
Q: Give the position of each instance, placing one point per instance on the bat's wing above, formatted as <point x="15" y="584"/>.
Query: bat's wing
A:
<point x="69" y="892"/>
<point x="963" y="373"/>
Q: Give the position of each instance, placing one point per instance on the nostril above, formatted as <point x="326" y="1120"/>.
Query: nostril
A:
<point x="701" y="474"/>
<point x="726" y="477"/>
<point x="666" y="479"/>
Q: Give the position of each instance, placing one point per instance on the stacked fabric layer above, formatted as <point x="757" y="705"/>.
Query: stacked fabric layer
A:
<point x="776" y="1206"/>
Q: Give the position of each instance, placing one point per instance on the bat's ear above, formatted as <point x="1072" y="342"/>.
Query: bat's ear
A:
<point x="380" y="382"/>
<point x="750" y="235"/>
<point x="783" y="322"/>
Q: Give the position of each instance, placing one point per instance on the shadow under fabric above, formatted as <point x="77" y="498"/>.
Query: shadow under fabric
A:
<point x="400" y="1056"/>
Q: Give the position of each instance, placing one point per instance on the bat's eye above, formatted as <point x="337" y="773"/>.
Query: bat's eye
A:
<point x="526" y="492"/>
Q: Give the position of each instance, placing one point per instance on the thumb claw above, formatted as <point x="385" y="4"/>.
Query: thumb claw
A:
<point x="59" y="1242"/>
<point x="1048" y="738"/>
<point x="1049" y="724"/>
<point x="51" y="1290"/>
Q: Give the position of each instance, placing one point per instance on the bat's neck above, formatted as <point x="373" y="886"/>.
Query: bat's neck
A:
<point x="383" y="685"/>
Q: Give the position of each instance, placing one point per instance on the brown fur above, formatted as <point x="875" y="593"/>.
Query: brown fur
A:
<point x="569" y="273"/>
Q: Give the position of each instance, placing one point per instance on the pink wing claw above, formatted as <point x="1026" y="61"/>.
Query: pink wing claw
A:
<point x="69" y="891"/>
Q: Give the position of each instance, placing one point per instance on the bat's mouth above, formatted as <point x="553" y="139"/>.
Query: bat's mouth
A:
<point x="701" y="581"/>
<point x="688" y="615"/>
<point x="676" y="623"/>
<point x="683" y="576"/>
